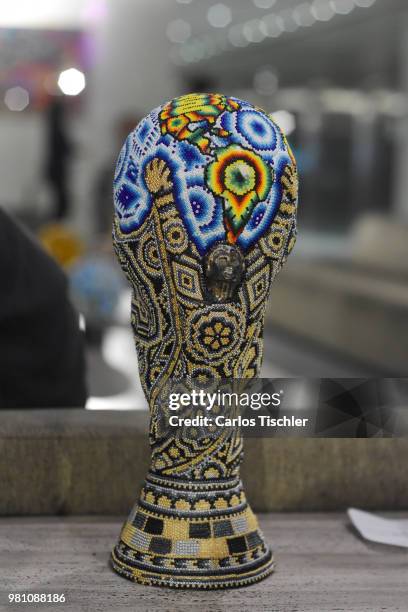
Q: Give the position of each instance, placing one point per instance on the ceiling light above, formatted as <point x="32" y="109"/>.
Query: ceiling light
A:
<point x="219" y="15"/>
<point x="16" y="98"/>
<point x="303" y="16"/>
<point x="287" y="21"/>
<point x="364" y="3"/>
<point x="236" y="37"/>
<point x="254" y="30"/>
<point x="71" y="82"/>
<point x="178" y="31"/>
<point x="322" y="10"/>
<point x="272" y="25"/>
<point x="264" y="4"/>
<point x="342" y="7"/>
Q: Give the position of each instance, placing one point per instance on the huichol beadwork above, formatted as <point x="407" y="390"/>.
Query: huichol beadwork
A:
<point x="205" y="195"/>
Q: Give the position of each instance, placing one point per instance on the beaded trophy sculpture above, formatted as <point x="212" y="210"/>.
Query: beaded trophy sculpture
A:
<point x="205" y="195"/>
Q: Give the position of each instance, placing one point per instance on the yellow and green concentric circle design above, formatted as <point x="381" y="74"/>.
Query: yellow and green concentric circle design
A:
<point x="243" y="179"/>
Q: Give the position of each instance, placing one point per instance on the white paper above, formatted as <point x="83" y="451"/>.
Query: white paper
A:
<point x="378" y="529"/>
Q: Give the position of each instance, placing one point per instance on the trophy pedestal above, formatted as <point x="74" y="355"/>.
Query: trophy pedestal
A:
<point x="192" y="534"/>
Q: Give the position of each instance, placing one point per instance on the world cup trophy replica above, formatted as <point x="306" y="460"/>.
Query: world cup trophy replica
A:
<point x="205" y="195"/>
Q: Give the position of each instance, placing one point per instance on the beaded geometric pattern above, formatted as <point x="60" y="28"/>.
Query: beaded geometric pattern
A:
<point x="200" y="172"/>
<point x="226" y="160"/>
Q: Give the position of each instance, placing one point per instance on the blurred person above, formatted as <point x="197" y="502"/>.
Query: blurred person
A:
<point x="58" y="151"/>
<point x="42" y="362"/>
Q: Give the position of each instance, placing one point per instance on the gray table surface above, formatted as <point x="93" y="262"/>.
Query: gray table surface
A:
<point x="322" y="565"/>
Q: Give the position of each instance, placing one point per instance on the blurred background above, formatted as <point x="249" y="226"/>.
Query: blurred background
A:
<point x="76" y="77"/>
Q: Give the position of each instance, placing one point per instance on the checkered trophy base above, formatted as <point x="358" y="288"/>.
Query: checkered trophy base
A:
<point x="200" y="535"/>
